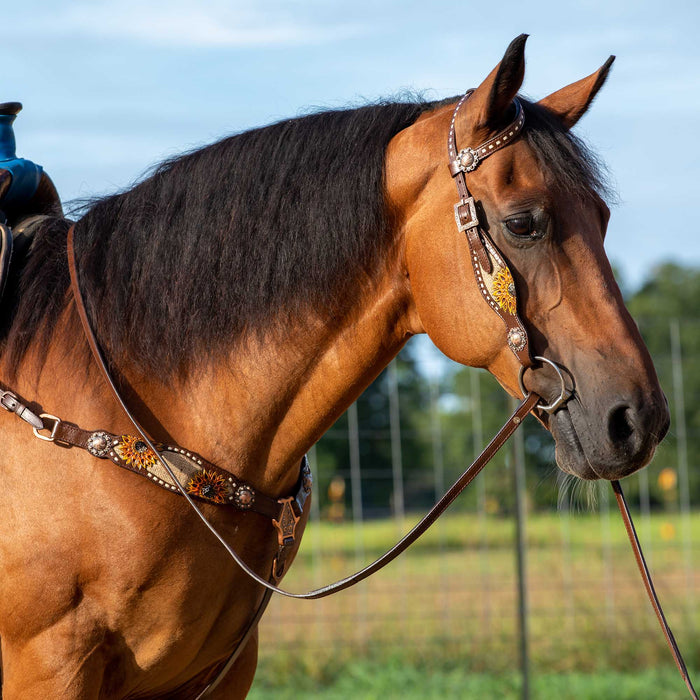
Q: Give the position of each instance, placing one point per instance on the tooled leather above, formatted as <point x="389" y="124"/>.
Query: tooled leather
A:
<point x="479" y="242"/>
<point x="69" y="434"/>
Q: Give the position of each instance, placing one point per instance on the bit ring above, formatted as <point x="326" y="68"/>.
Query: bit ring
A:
<point x="563" y="397"/>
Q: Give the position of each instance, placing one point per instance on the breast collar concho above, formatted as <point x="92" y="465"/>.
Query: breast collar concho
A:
<point x="200" y="478"/>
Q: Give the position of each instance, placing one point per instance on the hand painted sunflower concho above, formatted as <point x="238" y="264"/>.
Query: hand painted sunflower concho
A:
<point x="498" y="290"/>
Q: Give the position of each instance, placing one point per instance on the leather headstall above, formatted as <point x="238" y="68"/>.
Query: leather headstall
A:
<point x="493" y="276"/>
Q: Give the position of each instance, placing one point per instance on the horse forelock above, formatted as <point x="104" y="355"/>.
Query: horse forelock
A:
<point x="573" y="168"/>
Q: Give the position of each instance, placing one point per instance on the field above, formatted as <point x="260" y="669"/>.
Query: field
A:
<point x="441" y="621"/>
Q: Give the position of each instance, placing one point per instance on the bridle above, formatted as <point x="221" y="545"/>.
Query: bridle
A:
<point x="168" y="466"/>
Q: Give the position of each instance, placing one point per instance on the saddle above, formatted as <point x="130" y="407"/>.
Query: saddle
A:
<point x="27" y="196"/>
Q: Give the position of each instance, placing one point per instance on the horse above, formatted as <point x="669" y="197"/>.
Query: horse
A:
<point x="244" y="295"/>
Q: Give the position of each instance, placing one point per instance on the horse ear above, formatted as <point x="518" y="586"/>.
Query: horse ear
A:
<point x="571" y="102"/>
<point x="490" y="102"/>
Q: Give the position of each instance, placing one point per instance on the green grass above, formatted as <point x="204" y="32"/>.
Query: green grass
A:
<point x="367" y="681"/>
<point x="440" y="621"/>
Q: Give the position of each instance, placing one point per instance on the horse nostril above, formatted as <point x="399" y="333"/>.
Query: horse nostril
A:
<point x="620" y="426"/>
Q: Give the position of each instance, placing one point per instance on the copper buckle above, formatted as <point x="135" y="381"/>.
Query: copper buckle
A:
<point x="287" y="523"/>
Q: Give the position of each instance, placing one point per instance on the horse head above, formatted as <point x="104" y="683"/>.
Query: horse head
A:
<point x="539" y="200"/>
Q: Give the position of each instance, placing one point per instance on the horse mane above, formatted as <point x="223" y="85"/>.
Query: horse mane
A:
<point x="241" y="237"/>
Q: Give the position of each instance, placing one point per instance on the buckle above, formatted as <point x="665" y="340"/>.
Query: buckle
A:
<point x="287" y="523"/>
<point x="460" y="207"/>
<point x="56" y="423"/>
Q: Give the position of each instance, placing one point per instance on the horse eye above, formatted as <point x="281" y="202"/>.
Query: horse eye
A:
<point x="520" y="225"/>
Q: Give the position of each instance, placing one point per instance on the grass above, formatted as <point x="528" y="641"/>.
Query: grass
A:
<point x="363" y="679"/>
<point x="441" y="621"/>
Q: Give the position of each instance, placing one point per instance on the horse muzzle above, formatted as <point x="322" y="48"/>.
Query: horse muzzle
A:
<point x="600" y="435"/>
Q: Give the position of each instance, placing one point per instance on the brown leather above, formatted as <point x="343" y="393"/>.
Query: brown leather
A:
<point x="65" y="433"/>
<point x="483" y="252"/>
<point x="5" y="255"/>
<point x="649" y="585"/>
<point x="479" y="463"/>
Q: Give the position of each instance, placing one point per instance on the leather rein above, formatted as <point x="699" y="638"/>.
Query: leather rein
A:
<point x="186" y="473"/>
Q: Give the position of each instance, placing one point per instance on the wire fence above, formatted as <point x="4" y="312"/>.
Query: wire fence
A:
<point x="455" y="597"/>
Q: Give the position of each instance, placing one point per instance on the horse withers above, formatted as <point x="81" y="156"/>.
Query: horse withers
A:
<point x="244" y="295"/>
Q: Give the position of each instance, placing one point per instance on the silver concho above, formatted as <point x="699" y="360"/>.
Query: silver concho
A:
<point x="244" y="497"/>
<point x="99" y="444"/>
<point x="516" y="339"/>
<point x="468" y="159"/>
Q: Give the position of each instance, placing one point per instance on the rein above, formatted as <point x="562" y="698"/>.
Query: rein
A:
<point x="168" y="466"/>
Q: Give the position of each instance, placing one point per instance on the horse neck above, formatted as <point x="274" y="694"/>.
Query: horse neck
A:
<point x="255" y="413"/>
<point x="262" y="410"/>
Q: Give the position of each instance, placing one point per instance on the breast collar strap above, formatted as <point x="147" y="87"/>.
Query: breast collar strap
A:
<point x="202" y="479"/>
<point x="493" y="277"/>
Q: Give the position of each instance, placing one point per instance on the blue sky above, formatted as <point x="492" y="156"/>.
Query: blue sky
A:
<point x="112" y="86"/>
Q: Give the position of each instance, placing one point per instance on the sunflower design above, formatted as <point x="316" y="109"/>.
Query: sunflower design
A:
<point x="503" y="290"/>
<point x="135" y="451"/>
<point x="208" y="485"/>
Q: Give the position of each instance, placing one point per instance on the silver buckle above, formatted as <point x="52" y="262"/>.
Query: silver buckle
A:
<point x="474" y="221"/>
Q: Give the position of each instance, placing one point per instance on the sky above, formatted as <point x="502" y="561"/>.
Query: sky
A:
<point x="111" y="87"/>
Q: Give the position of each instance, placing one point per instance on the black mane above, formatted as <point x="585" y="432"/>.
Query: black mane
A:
<point x="240" y="237"/>
<point x="234" y="238"/>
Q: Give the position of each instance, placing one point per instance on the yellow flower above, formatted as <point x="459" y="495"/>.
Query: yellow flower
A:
<point x="503" y="290"/>
<point x="133" y="450"/>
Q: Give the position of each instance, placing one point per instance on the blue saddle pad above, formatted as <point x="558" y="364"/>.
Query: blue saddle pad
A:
<point x="25" y="180"/>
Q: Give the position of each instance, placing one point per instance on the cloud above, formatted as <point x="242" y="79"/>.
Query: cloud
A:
<point x="183" y="24"/>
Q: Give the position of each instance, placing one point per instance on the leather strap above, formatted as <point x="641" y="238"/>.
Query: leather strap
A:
<point x="649" y="585"/>
<point x="493" y="276"/>
<point x="5" y="253"/>
<point x="479" y="463"/>
<point x="203" y="479"/>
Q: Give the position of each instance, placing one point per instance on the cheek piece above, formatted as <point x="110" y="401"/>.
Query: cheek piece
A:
<point x="493" y="276"/>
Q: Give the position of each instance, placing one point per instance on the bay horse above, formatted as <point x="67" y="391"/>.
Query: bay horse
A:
<point x="244" y="295"/>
